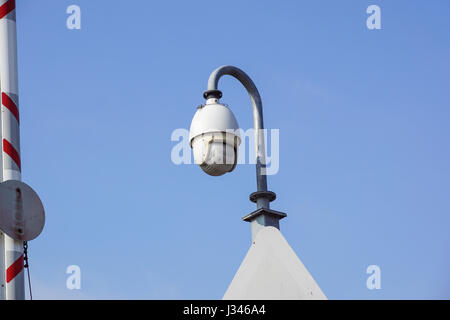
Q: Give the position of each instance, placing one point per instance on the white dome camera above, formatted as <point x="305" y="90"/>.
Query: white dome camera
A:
<point x="214" y="138"/>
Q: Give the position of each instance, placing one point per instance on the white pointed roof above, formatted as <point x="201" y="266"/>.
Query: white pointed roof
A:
<point x="271" y="270"/>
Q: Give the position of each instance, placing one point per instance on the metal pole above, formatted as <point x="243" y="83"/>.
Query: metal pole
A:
<point x="12" y="269"/>
<point x="263" y="216"/>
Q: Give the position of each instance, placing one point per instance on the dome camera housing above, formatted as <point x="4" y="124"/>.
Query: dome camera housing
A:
<point x="214" y="138"/>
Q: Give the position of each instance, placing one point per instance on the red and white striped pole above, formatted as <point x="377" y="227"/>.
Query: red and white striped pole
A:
<point x="12" y="279"/>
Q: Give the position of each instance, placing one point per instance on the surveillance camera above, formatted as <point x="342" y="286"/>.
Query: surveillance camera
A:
<point x="214" y="138"/>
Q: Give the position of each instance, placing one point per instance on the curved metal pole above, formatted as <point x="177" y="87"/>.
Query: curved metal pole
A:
<point x="263" y="216"/>
<point x="261" y="178"/>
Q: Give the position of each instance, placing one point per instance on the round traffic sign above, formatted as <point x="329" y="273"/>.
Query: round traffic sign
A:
<point x="22" y="215"/>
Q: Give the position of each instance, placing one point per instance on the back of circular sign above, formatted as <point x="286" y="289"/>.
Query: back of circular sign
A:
<point x="22" y="214"/>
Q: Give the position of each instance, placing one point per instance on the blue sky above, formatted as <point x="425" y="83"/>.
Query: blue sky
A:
<point x="364" y="133"/>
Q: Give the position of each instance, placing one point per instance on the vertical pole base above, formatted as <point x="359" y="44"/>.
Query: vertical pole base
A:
<point x="2" y="267"/>
<point x="263" y="218"/>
